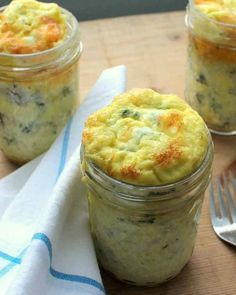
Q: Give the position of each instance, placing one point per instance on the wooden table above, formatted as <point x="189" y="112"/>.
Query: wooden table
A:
<point x="153" y="47"/>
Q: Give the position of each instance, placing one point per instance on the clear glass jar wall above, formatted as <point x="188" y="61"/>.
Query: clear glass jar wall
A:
<point x="39" y="93"/>
<point x="211" y="70"/>
<point x="145" y="235"/>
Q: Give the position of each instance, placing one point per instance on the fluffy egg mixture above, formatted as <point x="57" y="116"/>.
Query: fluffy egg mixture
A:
<point x="38" y="92"/>
<point x="214" y="20"/>
<point x="220" y="10"/>
<point x="210" y="86"/>
<point x="28" y="26"/>
<point x="146" y="138"/>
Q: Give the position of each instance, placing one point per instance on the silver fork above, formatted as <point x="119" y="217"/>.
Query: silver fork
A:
<point x="223" y="209"/>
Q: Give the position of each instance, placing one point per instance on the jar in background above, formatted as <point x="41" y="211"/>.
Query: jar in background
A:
<point x="38" y="94"/>
<point x="145" y="235"/>
<point x="211" y="70"/>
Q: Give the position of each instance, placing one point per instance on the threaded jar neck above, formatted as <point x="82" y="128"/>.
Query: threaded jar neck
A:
<point x="208" y="28"/>
<point x="198" y="180"/>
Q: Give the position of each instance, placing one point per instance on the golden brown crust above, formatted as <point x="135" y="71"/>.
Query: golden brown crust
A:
<point x="129" y="172"/>
<point x="172" y="120"/>
<point x="87" y="136"/>
<point x="173" y="152"/>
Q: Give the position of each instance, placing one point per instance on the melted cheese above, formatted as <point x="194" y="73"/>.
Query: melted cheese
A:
<point x="146" y="138"/>
<point x="28" y="26"/>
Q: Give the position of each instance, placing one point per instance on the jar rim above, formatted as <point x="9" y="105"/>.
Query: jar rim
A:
<point x="60" y="46"/>
<point x="192" y="6"/>
<point x="193" y="178"/>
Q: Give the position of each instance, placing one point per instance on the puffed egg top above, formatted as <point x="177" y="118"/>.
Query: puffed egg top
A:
<point x="220" y="10"/>
<point x="146" y="138"/>
<point x="29" y="26"/>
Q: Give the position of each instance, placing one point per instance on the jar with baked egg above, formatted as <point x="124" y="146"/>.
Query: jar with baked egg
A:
<point x="38" y="92"/>
<point x="146" y="161"/>
<point x="145" y="235"/>
<point x="211" y="63"/>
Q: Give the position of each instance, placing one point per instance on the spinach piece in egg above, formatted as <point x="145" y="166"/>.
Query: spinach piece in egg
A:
<point x="201" y="79"/>
<point x="66" y="91"/>
<point x="8" y="140"/>
<point x="136" y="115"/>
<point x="2" y="119"/>
<point x="38" y="99"/>
<point x="40" y="104"/>
<point x="27" y="128"/>
<point x="214" y="104"/>
<point x="126" y="113"/>
<point x="200" y="97"/>
<point x="16" y="95"/>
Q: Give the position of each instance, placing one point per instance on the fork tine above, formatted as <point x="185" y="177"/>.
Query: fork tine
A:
<point x="222" y="225"/>
<point x="232" y="207"/>
<point x="215" y="219"/>
<point x="222" y="205"/>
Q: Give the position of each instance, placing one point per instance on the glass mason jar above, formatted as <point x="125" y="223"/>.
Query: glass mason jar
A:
<point x="145" y="235"/>
<point x="38" y="94"/>
<point x="211" y="70"/>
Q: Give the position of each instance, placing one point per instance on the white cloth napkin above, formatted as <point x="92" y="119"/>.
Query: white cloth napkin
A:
<point x="45" y="242"/>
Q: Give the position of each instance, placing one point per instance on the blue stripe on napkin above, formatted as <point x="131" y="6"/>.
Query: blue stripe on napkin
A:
<point x="61" y="275"/>
<point x="56" y="274"/>
<point x="47" y="242"/>
<point x="5" y="256"/>
<point x="76" y="278"/>
<point x="14" y="261"/>
<point x="17" y="260"/>
<point x="42" y="237"/>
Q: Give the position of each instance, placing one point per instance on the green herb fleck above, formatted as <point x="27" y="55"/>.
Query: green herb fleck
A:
<point x="202" y="79"/>
<point x="126" y="113"/>
<point x="66" y="91"/>
<point x="200" y="97"/>
<point x="130" y="114"/>
<point x="2" y="122"/>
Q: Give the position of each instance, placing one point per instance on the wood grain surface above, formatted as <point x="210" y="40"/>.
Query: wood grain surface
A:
<point x="153" y="47"/>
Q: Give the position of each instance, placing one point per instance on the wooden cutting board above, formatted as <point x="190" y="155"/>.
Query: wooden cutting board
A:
<point x="153" y="47"/>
